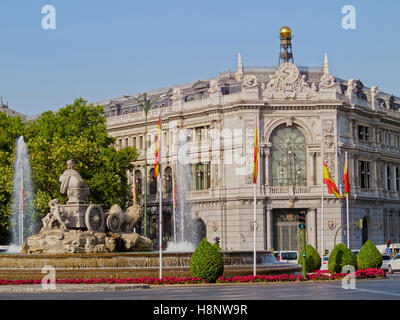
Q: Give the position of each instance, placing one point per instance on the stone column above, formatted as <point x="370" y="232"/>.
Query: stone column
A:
<point x="312" y="227"/>
<point x="266" y="164"/>
<point x="269" y="229"/>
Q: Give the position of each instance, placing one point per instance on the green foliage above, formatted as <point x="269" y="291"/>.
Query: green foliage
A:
<point x="341" y="255"/>
<point x="78" y="132"/>
<point x="10" y="129"/>
<point x="206" y="262"/>
<point x="369" y="256"/>
<point x="313" y="259"/>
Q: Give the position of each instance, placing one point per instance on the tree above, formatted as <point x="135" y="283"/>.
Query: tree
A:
<point x="206" y="262"/>
<point x="10" y="129"/>
<point x="369" y="256"/>
<point x="313" y="259"/>
<point x="341" y="256"/>
<point x="78" y="132"/>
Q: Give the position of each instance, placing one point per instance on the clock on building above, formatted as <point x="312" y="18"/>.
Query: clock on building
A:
<point x="288" y="72"/>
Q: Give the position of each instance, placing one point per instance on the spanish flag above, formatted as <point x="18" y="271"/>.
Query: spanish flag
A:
<point x="332" y="189"/>
<point x="255" y="165"/>
<point x="346" y="180"/>
<point x="157" y="164"/>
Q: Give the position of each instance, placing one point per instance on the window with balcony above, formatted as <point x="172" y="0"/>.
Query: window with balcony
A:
<point x="288" y="157"/>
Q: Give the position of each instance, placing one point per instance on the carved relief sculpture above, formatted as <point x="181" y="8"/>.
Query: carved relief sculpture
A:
<point x="287" y="83"/>
<point x="250" y="81"/>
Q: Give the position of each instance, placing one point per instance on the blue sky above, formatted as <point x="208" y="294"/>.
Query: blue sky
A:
<point x="103" y="49"/>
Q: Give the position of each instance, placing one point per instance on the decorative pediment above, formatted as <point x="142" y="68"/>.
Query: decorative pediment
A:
<point x="288" y="83"/>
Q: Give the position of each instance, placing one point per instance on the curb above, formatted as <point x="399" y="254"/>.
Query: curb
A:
<point x="70" y="288"/>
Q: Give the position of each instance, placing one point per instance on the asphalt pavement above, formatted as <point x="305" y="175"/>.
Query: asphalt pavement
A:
<point x="374" y="289"/>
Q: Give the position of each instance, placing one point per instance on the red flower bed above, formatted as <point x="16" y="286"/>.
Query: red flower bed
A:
<point x="318" y="275"/>
<point x="144" y="280"/>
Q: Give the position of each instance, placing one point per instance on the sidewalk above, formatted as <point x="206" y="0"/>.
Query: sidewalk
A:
<point x="71" y="288"/>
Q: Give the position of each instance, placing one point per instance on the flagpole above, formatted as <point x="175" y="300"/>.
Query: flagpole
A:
<point x="256" y="163"/>
<point x="322" y="203"/>
<point x="347" y="203"/>
<point x="160" y="200"/>
<point x="174" y="204"/>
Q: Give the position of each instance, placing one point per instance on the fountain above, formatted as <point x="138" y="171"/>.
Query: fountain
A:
<point x="21" y="220"/>
<point x="80" y="240"/>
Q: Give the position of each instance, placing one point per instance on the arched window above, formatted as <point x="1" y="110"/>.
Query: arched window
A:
<point x="153" y="182"/>
<point x="168" y="179"/>
<point x="138" y="182"/>
<point x="288" y="157"/>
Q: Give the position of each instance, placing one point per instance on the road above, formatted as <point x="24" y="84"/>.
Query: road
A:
<point x="384" y="289"/>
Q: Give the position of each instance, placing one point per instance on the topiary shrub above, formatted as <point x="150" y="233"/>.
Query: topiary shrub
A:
<point x="340" y="257"/>
<point x="313" y="259"/>
<point x="369" y="256"/>
<point x="206" y="262"/>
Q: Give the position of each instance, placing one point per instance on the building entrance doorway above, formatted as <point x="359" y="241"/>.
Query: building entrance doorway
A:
<point x="286" y="229"/>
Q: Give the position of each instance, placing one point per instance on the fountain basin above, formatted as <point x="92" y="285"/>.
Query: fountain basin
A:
<point x="130" y="265"/>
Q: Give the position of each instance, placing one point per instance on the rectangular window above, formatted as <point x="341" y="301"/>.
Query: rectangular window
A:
<point x="134" y="142"/>
<point x="200" y="176"/>
<point x="363" y="133"/>
<point x="360" y="132"/>
<point x="397" y="178"/>
<point x="388" y="177"/>
<point x="364" y="174"/>
<point x="140" y="142"/>
<point x="126" y="142"/>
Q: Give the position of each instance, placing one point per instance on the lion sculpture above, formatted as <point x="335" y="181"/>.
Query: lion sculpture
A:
<point x="119" y="221"/>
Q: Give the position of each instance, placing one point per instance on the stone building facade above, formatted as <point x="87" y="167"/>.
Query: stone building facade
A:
<point x="305" y="115"/>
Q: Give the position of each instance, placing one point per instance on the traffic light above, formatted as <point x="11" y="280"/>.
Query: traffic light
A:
<point x="216" y="239"/>
<point x="302" y="220"/>
<point x="388" y="243"/>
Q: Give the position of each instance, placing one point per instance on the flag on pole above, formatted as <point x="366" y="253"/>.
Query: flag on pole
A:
<point x="346" y="180"/>
<point x="157" y="163"/>
<point x="255" y="165"/>
<point x="332" y="188"/>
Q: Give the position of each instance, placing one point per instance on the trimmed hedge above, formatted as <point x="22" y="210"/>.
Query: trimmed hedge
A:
<point x="206" y="262"/>
<point x="313" y="259"/>
<point x="341" y="256"/>
<point x="369" y="256"/>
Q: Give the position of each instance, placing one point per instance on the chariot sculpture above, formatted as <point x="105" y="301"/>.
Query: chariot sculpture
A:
<point x="78" y="213"/>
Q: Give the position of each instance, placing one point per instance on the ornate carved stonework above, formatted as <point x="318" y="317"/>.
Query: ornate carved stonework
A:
<point x="288" y="83"/>
<point x="214" y="88"/>
<point x="250" y="81"/>
<point x="326" y="81"/>
<point x="329" y="145"/>
<point x="176" y="94"/>
<point x="351" y="89"/>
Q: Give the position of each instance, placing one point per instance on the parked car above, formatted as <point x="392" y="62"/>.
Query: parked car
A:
<point x="324" y="264"/>
<point x="385" y="261"/>
<point x="287" y="256"/>
<point x="394" y="264"/>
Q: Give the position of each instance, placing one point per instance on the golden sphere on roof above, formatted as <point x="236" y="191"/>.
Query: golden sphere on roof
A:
<point x="285" y="33"/>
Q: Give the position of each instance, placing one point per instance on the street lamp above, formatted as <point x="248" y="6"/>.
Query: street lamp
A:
<point x="146" y="103"/>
